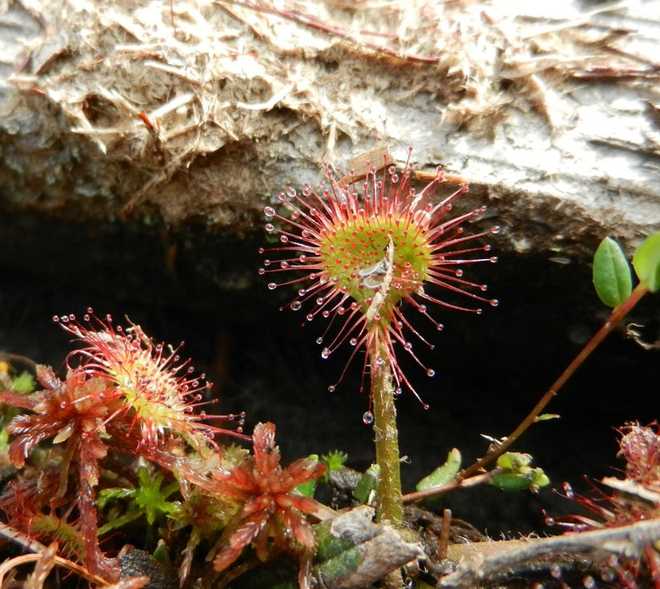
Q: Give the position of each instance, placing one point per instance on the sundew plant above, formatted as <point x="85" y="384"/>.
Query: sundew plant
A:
<point x="366" y="256"/>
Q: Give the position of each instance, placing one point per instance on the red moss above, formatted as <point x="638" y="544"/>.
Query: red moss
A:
<point x="272" y="512"/>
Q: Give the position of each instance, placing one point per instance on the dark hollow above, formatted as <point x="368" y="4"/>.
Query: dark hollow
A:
<point x="203" y="288"/>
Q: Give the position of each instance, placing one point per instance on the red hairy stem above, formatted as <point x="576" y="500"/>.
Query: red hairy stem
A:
<point x="618" y="313"/>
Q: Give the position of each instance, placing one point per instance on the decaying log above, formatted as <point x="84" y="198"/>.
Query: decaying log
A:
<point x="204" y="109"/>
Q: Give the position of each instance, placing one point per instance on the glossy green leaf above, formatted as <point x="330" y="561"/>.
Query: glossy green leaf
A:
<point x="646" y="262"/>
<point x="514" y="461"/>
<point x="611" y="273"/>
<point x="547" y="416"/>
<point x="367" y="484"/>
<point x="443" y="474"/>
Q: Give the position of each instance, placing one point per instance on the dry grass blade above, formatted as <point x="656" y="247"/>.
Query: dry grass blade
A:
<point x="42" y="568"/>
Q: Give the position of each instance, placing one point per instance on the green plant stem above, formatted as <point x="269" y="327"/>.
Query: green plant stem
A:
<point x="390" y="507"/>
<point x="618" y="313"/>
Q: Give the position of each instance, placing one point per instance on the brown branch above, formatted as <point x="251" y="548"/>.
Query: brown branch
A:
<point x="629" y="540"/>
<point x="614" y="319"/>
<point x="454" y="485"/>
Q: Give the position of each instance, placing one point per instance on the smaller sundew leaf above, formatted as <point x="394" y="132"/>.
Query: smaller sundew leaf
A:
<point x="646" y="262"/>
<point x="443" y="474"/>
<point x="611" y="273"/>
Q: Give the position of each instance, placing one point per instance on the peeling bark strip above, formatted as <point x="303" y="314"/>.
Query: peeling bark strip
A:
<point x="355" y="552"/>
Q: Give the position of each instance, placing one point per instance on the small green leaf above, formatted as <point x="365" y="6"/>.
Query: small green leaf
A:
<point x="367" y="484"/>
<point x="308" y="488"/>
<point x="514" y="461"/>
<point x="443" y="474"/>
<point x="4" y="440"/>
<point x="611" y="273"/>
<point x="333" y="461"/>
<point x="23" y="383"/>
<point x="113" y="494"/>
<point x="510" y="481"/>
<point x="547" y="417"/>
<point x="646" y="262"/>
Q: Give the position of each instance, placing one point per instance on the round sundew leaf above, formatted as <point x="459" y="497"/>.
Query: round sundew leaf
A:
<point x="611" y="273"/>
<point x="646" y="262"/>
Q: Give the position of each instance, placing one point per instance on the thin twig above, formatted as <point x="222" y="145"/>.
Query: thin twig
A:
<point x="313" y="23"/>
<point x="442" y="489"/>
<point x="614" y="319"/>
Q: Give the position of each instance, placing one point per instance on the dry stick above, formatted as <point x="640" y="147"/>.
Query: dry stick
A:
<point x="615" y="317"/>
<point x="444" y="535"/>
<point x="626" y="540"/>
<point x="6" y="566"/>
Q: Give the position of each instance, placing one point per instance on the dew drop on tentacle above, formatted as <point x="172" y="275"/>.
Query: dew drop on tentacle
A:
<point x="353" y="341"/>
<point x="319" y="340"/>
<point x="325" y="353"/>
<point x="269" y="212"/>
<point x="295" y="306"/>
<point x="56" y="319"/>
<point x="493" y="260"/>
<point x="494" y="302"/>
<point x="269" y="227"/>
<point x="272" y="286"/>
<point x="430" y="372"/>
<point x="368" y="417"/>
<point x="331" y="388"/>
<point x="568" y="490"/>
